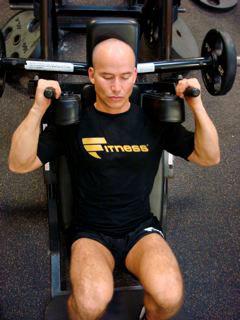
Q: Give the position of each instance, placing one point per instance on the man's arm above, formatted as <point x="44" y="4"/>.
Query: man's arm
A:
<point x="206" y="147"/>
<point x="23" y="151"/>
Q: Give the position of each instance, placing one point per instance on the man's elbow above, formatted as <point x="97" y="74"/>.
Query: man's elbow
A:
<point x="212" y="161"/>
<point x="16" y="168"/>
<point x="205" y="160"/>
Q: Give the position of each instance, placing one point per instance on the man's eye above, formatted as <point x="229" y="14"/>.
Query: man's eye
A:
<point x="107" y="77"/>
<point x="126" y="77"/>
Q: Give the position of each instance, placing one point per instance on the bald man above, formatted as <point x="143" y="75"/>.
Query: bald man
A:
<point x="113" y="155"/>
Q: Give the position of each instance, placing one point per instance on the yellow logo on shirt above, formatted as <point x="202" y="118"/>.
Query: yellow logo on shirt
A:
<point x="94" y="145"/>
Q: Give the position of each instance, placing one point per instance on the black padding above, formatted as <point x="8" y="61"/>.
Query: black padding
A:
<point x="89" y="95"/>
<point x="102" y="29"/>
<point x="65" y="192"/>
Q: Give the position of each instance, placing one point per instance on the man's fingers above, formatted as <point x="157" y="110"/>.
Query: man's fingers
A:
<point x="184" y="84"/>
<point x="43" y="84"/>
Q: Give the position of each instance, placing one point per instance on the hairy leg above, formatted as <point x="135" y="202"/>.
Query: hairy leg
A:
<point x="152" y="261"/>
<point x="91" y="278"/>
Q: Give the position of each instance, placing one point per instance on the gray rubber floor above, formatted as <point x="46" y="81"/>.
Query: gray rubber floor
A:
<point x="203" y="209"/>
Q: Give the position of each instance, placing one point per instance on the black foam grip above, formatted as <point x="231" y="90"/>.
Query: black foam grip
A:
<point x="191" y="92"/>
<point x="49" y="93"/>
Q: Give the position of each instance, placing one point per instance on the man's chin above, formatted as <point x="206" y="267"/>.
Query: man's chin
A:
<point x="121" y="107"/>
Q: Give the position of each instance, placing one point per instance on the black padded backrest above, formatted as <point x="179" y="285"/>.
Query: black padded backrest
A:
<point x="102" y="29"/>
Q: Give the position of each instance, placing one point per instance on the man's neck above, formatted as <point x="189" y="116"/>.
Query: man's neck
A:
<point x="111" y="110"/>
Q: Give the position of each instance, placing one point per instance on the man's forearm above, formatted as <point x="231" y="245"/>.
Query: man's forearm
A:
<point x="23" y="151"/>
<point x="24" y="144"/>
<point x="206" y="145"/>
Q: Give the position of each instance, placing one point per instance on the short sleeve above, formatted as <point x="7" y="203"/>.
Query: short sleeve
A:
<point x="50" y="145"/>
<point x="178" y="140"/>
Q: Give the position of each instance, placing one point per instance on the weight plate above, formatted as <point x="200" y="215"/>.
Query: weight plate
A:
<point x="184" y="44"/>
<point x="219" y="77"/>
<point x="150" y="23"/>
<point x="22" y="36"/>
<point x="219" y="4"/>
<point x="2" y="70"/>
<point x="151" y="20"/>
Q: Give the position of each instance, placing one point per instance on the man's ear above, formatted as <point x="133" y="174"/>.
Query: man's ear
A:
<point x="91" y="75"/>
<point x="135" y="74"/>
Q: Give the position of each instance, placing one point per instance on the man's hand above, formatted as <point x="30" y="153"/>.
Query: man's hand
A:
<point x="183" y="85"/>
<point x="41" y="103"/>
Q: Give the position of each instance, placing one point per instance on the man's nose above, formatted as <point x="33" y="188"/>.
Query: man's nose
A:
<point x="116" y="85"/>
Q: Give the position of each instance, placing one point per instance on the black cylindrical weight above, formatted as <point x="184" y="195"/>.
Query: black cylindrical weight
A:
<point x="164" y="107"/>
<point x="67" y="109"/>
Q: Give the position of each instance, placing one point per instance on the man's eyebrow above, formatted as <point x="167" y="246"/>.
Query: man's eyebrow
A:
<point x="112" y="74"/>
<point x="106" y="73"/>
<point x="125" y="72"/>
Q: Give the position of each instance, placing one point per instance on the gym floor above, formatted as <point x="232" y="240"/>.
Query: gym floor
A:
<point x="203" y="208"/>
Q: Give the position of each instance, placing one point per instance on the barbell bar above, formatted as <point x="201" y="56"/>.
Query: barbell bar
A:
<point x="218" y="64"/>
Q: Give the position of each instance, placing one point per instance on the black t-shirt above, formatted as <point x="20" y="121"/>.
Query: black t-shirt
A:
<point x="113" y="159"/>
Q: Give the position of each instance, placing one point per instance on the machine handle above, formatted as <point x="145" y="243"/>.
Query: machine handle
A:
<point x="49" y="93"/>
<point x="192" y="92"/>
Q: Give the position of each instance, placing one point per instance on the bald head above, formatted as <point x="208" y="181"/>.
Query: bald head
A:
<point x="113" y="50"/>
<point x="113" y="75"/>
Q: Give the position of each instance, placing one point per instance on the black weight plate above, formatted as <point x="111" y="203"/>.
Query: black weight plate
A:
<point x="219" y="77"/>
<point x="184" y="44"/>
<point x="2" y="70"/>
<point x="219" y="4"/>
<point x="22" y="36"/>
<point x="151" y="21"/>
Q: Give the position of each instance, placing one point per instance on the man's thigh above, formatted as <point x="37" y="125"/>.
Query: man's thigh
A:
<point x="152" y="261"/>
<point x="91" y="267"/>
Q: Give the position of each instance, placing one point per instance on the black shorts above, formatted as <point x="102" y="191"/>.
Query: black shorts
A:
<point x="119" y="247"/>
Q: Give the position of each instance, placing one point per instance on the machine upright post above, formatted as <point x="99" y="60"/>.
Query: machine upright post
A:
<point x="166" y="30"/>
<point x="49" y="29"/>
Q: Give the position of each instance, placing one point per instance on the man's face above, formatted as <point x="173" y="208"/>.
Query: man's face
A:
<point x="113" y="75"/>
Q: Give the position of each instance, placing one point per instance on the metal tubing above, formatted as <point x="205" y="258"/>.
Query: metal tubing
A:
<point x="81" y="68"/>
<point x="166" y="31"/>
<point x="182" y="64"/>
<point x="48" y="25"/>
<point x="53" y="67"/>
<point x="238" y="61"/>
<point x="91" y="11"/>
<point x="45" y="30"/>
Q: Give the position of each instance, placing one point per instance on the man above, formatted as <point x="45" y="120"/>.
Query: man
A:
<point x="113" y="155"/>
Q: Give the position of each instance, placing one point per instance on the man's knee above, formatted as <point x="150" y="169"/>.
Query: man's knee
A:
<point x="168" y="294"/>
<point x="90" y="304"/>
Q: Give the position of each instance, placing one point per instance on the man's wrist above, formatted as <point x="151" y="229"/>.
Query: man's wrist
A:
<point x="36" y="112"/>
<point x="196" y="105"/>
